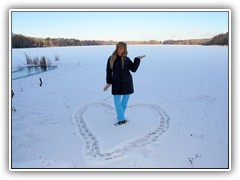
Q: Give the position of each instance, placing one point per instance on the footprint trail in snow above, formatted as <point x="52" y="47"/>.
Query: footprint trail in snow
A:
<point x="92" y="146"/>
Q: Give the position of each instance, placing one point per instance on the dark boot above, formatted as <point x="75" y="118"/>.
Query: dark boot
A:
<point x="120" y="122"/>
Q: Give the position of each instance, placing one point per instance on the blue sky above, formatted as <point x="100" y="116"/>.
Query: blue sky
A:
<point x="120" y="25"/>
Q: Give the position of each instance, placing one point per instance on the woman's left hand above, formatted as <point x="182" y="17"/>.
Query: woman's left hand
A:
<point x="140" y="57"/>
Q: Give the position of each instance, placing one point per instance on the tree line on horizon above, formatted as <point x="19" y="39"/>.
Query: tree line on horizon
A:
<point x="21" y="41"/>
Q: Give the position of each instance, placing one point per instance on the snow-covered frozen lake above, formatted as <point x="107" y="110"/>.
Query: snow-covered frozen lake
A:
<point x="178" y="114"/>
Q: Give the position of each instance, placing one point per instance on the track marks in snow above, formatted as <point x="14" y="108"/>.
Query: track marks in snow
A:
<point x="53" y="163"/>
<point x="92" y="146"/>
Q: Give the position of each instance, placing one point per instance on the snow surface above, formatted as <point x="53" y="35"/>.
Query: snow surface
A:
<point x="178" y="115"/>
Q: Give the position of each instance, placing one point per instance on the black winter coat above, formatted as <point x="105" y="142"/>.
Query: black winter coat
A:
<point x="121" y="78"/>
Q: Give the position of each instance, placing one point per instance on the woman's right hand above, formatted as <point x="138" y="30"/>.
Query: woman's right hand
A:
<point x="106" y="87"/>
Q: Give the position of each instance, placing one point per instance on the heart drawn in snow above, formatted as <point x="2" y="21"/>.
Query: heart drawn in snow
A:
<point x="103" y="140"/>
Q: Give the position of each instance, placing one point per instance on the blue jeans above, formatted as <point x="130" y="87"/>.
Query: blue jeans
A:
<point x="121" y="102"/>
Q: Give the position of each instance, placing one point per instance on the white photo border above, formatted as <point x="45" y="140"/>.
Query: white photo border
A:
<point x="122" y="169"/>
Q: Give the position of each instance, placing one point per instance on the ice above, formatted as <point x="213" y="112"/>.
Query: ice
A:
<point x="178" y="115"/>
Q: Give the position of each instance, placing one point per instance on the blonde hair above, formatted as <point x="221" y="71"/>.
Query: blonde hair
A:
<point x="114" y="54"/>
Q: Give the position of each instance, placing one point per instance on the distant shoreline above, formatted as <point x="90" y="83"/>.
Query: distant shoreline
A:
<point x="128" y="45"/>
<point x="20" y="41"/>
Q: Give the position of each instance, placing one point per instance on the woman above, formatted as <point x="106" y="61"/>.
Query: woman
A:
<point x="119" y="76"/>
